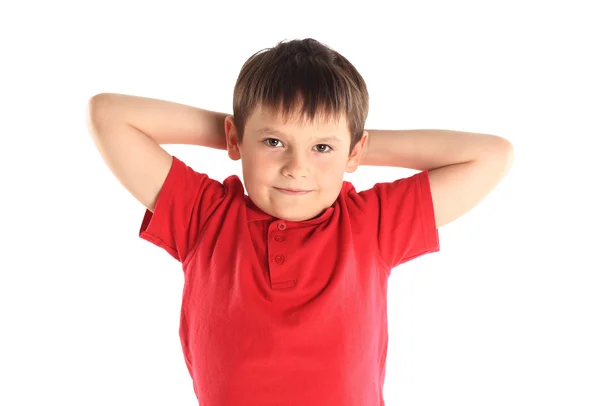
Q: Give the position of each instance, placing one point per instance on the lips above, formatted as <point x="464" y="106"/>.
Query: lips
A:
<point x="293" y="191"/>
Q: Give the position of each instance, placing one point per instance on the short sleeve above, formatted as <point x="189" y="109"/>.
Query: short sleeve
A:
<point x="184" y="204"/>
<point x="402" y="217"/>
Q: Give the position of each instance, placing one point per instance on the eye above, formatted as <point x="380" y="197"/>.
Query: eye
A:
<point x="266" y="141"/>
<point x="326" y="146"/>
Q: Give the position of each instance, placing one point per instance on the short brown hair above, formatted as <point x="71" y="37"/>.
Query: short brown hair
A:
<point x="301" y="73"/>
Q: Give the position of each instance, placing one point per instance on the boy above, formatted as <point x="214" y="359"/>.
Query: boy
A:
<point x="284" y="299"/>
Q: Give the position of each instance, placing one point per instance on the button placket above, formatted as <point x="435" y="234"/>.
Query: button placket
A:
<point x="278" y="280"/>
<point x="281" y="226"/>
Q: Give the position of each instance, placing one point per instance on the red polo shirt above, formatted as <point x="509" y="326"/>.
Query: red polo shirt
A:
<point x="287" y="313"/>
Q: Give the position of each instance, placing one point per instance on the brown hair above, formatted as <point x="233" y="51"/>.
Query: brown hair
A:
<point x="301" y="73"/>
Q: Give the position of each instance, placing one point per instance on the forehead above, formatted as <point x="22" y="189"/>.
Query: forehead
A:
<point x="267" y="122"/>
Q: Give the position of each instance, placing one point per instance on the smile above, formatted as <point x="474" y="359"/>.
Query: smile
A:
<point x="292" y="192"/>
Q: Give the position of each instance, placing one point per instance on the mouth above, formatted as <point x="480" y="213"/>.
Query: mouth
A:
<point x="293" y="191"/>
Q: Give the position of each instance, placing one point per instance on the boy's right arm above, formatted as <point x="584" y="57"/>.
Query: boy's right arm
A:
<point x="128" y="131"/>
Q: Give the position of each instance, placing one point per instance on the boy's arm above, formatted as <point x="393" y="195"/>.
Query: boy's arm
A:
<point x="166" y="122"/>
<point x="127" y="131"/>
<point x="463" y="167"/>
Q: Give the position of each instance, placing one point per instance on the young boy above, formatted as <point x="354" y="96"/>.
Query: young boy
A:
<point x="284" y="300"/>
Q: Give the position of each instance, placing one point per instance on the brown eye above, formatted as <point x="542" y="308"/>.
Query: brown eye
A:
<point x="326" y="146"/>
<point x="267" y="141"/>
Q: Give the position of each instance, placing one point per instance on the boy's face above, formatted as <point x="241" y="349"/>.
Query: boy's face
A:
<point x="309" y="157"/>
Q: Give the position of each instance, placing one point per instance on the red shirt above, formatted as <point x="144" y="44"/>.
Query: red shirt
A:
<point x="287" y="313"/>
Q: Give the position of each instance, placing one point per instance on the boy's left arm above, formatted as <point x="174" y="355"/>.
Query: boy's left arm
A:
<point x="463" y="167"/>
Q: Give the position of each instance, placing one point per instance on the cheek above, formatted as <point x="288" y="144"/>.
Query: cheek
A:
<point x="259" y="169"/>
<point x="332" y="167"/>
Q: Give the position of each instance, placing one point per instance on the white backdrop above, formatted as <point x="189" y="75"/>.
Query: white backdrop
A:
<point x="507" y="313"/>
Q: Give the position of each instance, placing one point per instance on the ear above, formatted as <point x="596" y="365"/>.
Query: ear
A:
<point x="231" y="136"/>
<point x="354" y="159"/>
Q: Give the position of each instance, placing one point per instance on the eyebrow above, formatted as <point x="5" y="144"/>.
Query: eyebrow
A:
<point x="272" y="131"/>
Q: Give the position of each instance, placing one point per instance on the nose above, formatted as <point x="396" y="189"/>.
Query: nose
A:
<point x="296" y="166"/>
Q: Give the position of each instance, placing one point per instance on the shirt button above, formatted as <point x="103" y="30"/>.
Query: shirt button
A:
<point x="281" y="226"/>
<point x="278" y="238"/>
<point x="279" y="259"/>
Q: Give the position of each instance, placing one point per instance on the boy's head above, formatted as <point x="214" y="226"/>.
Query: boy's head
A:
<point x="299" y="111"/>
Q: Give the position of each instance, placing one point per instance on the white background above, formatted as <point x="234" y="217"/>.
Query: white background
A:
<point x="507" y="313"/>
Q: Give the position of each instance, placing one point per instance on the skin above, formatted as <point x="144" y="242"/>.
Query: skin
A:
<point x="296" y="159"/>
